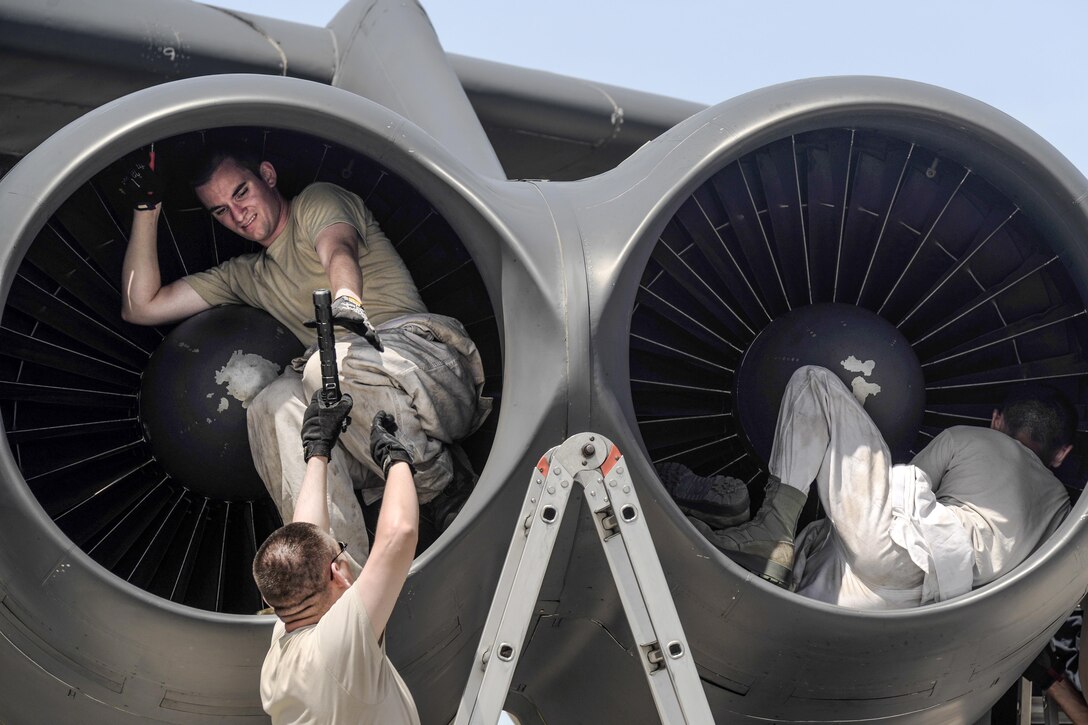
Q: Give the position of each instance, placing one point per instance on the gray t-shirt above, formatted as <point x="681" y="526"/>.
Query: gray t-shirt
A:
<point x="1008" y="501"/>
<point x="281" y="279"/>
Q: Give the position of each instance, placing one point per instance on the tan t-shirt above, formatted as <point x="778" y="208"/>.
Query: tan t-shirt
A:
<point x="281" y="279"/>
<point x="1008" y="501"/>
<point x="334" y="672"/>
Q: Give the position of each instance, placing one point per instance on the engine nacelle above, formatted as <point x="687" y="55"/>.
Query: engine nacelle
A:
<point x="624" y="304"/>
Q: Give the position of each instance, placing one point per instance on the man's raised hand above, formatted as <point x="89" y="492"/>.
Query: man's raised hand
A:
<point x="140" y="185"/>
<point x="385" y="447"/>
<point x="321" y="425"/>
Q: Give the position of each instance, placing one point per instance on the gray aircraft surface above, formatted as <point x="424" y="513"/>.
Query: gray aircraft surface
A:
<point x="640" y="267"/>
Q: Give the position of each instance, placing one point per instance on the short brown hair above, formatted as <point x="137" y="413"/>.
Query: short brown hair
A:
<point x="1042" y="413"/>
<point x="289" y="565"/>
<point x="215" y="155"/>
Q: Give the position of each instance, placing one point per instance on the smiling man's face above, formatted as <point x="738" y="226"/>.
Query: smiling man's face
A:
<point x="246" y="203"/>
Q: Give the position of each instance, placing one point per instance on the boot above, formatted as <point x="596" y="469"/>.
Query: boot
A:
<point x="718" y="501"/>
<point x="764" y="545"/>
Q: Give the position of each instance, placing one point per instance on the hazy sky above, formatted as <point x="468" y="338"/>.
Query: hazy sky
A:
<point x="1025" y="58"/>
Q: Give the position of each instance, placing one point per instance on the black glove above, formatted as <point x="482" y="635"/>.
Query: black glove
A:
<point x="348" y="312"/>
<point x="1041" y="672"/>
<point x="385" y="447"/>
<point x="140" y="186"/>
<point x="322" y="424"/>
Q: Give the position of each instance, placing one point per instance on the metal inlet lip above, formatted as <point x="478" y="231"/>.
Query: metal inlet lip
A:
<point x="968" y="268"/>
<point x="112" y="530"/>
<point x="949" y="221"/>
<point x="623" y="303"/>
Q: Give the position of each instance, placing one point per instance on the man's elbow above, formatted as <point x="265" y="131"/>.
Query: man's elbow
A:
<point x="403" y="535"/>
<point x="149" y="312"/>
<point x="134" y="316"/>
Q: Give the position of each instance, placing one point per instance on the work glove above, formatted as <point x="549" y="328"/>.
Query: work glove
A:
<point x="385" y="447"/>
<point x="322" y="424"/>
<point x="1041" y="672"/>
<point x="348" y="312"/>
<point x="140" y="186"/>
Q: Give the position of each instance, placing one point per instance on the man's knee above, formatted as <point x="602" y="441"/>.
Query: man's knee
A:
<point x="816" y="372"/>
<point x="311" y="377"/>
<point x="283" y="391"/>
<point x="816" y="377"/>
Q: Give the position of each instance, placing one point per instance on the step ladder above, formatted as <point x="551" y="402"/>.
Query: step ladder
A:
<point x="592" y="461"/>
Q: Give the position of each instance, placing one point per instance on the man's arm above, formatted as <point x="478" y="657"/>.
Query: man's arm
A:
<point x="312" y="504"/>
<point x="321" y="427"/>
<point x="1052" y="683"/>
<point x="394" y="548"/>
<point x="936" y="458"/>
<point x="144" y="300"/>
<point x="337" y="247"/>
<point x="1068" y="698"/>
<point x="1070" y="701"/>
<point x="386" y="569"/>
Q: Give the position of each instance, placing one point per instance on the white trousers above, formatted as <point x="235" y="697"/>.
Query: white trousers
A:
<point x="873" y="551"/>
<point x="430" y="378"/>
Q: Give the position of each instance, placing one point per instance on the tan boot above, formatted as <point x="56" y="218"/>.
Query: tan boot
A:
<point x="764" y="545"/>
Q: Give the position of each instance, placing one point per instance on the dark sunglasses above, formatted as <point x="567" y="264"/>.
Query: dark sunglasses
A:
<point x="343" y="545"/>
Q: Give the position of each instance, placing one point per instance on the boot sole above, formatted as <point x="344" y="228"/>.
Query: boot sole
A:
<point x="765" y="568"/>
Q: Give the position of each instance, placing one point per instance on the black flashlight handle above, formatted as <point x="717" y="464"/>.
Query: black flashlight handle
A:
<point x="326" y="346"/>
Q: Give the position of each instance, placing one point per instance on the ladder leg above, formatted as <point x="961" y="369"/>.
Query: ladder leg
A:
<point x="596" y="464"/>
<point x="516" y="595"/>
<point x="644" y="592"/>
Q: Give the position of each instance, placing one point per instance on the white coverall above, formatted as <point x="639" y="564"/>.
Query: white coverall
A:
<point x="893" y="536"/>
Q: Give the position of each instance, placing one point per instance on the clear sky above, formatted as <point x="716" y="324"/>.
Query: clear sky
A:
<point x="1026" y="58"/>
